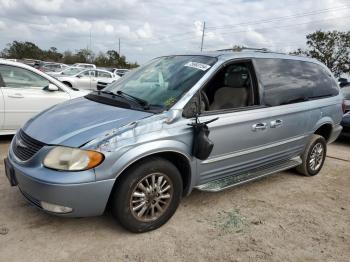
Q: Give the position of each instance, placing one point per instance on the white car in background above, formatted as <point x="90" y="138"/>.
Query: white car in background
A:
<point x="25" y="91"/>
<point x="84" y="65"/>
<point x="69" y="71"/>
<point x="88" y="79"/>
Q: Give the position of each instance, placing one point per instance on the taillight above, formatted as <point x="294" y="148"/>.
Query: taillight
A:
<point x="343" y="106"/>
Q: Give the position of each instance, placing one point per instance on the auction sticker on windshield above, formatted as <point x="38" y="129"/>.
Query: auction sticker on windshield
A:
<point x="197" y="65"/>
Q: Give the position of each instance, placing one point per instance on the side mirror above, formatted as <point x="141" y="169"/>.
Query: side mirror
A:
<point x="192" y="109"/>
<point x="51" y="88"/>
<point x="78" y="76"/>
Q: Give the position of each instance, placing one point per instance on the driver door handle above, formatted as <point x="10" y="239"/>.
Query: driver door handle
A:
<point x="16" y="95"/>
<point x="259" y="126"/>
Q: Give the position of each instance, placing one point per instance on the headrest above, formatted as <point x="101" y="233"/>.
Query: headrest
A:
<point x="235" y="80"/>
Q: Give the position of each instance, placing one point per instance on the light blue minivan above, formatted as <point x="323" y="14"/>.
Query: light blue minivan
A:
<point x="208" y="121"/>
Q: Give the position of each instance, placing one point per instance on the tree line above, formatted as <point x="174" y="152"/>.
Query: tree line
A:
<point x="21" y="50"/>
<point x="330" y="47"/>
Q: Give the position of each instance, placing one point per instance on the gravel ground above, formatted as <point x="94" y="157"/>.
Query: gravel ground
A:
<point x="284" y="217"/>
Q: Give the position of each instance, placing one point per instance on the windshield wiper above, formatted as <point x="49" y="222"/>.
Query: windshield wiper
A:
<point x="142" y="102"/>
<point x="105" y="92"/>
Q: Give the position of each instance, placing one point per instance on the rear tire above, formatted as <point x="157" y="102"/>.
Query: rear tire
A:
<point x="313" y="156"/>
<point x="147" y="195"/>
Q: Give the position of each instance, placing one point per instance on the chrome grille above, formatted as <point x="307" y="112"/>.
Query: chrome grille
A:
<point x="24" y="147"/>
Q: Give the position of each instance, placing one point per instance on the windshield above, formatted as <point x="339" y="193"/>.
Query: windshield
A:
<point x="72" y="71"/>
<point x="346" y="92"/>
<point x="164" y="80"/>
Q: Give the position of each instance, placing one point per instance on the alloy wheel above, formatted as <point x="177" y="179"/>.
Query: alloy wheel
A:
<point x="151" y="196"/>
<point x="316" y="157"/>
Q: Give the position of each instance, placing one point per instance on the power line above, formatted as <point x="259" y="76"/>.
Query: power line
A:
<point x="161" y="41"/>
<point x="287" y="26"/>
<point x="274" y="19"/>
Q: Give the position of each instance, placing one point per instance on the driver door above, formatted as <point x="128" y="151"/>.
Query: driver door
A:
<point x="24" y="97"/>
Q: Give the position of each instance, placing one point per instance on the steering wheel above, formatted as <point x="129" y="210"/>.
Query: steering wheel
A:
<point x="204" y="102"/>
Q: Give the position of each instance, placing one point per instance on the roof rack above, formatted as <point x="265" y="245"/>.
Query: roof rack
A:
<point x="244" y="48"/>
<point x="239" y="49"/>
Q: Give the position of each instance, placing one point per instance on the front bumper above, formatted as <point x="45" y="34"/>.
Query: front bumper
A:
<point x="85" y="199"/>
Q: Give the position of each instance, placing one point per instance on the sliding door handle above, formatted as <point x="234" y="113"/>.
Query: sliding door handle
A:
<point x="276" y="123"/>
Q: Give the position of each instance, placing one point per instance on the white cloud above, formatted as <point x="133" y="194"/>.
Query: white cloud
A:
<point x="151" y="28"/>
<point x="145" y="31"/>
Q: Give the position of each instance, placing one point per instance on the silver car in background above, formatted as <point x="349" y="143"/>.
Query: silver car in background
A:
<point x="88" y="78"/>
<point x="206" y="121"/>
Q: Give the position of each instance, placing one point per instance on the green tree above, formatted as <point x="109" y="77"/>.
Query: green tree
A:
<point x="331" y="48"/>
<point x="101" y="60"/>
<point x="52" y="55"/>
<point x="19" y="50"/>
<point x="84" y="55"/>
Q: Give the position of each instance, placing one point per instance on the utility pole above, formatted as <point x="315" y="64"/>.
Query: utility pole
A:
<point x="203" y="36"/>
<point x="119" y="46"/>
<point x="90" y="55"/>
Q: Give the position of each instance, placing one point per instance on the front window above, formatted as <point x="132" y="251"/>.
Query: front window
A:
<point x="16" y="77"/>
<point x="164" y="80"/>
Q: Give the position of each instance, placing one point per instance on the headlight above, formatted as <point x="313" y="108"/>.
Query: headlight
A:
<point x="72" y="159"/>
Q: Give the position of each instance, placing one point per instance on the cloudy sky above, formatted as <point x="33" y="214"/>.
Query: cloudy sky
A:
<point x="152" y="28"/>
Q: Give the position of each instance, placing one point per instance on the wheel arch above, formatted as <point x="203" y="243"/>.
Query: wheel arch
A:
<point x="176" y="154"/>
<point x="324" y="128"/>
<point x="67" y="83"/>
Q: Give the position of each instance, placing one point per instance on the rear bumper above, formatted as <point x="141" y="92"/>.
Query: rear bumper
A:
<point x="346" y="126"/>
<point x="85" y="199"/>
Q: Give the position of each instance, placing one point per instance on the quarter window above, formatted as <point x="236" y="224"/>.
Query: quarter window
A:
<point x="17" y="77"/>
<point x="291" y="81"/>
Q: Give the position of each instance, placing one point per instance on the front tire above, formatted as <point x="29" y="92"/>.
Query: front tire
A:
<point x="313" y="157"/>
<point x="147" y="195"/>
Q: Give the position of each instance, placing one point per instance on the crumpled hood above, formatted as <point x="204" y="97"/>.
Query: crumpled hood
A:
<point x="77" y="121"/>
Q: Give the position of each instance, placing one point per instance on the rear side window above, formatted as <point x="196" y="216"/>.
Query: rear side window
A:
<point x="292" y="81"/>
<point x="103" y="74"/>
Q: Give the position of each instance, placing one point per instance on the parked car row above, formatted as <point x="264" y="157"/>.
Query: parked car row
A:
<point x="26" y="91"/>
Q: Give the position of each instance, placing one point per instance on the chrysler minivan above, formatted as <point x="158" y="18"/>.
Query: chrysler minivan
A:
<point x="206" y="121"/>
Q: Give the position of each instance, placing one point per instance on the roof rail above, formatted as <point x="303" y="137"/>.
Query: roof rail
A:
<point x="244" y="48"/>
<point x="239" y="49"/>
